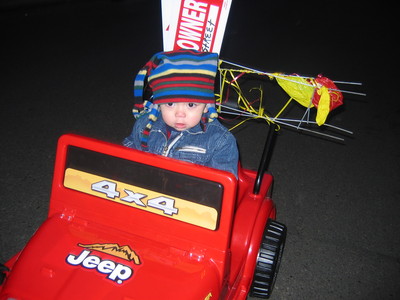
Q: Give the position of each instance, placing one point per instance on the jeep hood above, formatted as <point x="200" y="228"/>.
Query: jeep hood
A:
<point x="74" y="260"/>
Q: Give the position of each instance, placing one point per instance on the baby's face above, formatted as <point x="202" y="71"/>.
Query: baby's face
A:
<point x="182" y="115"/>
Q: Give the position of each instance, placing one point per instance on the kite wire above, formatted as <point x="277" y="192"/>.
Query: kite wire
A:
<point x="282" y="121"/>
<point x="284" y="78"/>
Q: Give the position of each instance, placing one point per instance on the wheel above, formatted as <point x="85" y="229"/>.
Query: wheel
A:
<point x="3" y="271"/>
<point x="268" y="259"/>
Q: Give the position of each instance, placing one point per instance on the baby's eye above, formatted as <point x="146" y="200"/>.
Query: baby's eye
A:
<point x="190" y="104"/>
<point x="169" y="104"/>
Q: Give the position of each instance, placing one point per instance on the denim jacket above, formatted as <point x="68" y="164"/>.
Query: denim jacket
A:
<point x="214" y="146"/>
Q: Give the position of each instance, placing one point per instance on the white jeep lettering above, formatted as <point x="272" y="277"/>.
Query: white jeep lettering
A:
<point x="117" y="272"/>
<point x="120" y="273"/>
<point x="106" y="266"/>
<point x="91" y="262"/>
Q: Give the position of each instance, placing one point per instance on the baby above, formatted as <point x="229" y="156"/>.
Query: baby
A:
<point x="180" y="119"/>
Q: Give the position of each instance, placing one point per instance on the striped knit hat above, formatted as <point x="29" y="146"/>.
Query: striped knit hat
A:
<point x="177" y="76"/>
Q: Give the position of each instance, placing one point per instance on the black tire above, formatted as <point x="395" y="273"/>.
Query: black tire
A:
<point x="3" y="270"/>
<point x="268" y="259"/>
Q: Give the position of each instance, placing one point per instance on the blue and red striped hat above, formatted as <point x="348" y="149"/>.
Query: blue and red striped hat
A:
<point x="184" y="75"/>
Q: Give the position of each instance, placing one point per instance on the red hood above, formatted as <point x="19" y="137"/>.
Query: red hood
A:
<point x="74" y="260"/>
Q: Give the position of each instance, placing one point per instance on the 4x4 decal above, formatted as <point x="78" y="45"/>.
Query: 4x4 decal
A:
<point x="109" y="188"/>
<point x="141" y="198"/>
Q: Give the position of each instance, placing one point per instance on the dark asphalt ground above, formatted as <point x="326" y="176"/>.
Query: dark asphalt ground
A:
<point x="69" y="68"/>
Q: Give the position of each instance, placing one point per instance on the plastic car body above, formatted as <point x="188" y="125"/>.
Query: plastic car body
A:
<point x="124" y="224"/>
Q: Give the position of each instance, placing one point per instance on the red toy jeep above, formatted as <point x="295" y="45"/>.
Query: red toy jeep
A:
<point x="124" y="224"/>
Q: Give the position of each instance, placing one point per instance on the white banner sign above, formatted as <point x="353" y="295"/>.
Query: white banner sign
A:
<point x="190" y="24"/>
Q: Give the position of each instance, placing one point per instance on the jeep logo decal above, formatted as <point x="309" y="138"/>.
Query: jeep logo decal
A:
<point x="116" y="272"/>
